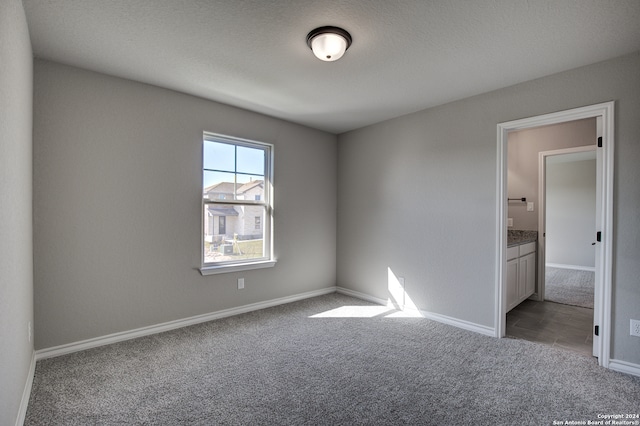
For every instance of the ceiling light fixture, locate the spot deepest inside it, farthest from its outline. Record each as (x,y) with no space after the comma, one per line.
(329,43)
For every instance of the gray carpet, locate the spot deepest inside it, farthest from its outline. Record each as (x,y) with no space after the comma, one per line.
(569,287)
(280,366)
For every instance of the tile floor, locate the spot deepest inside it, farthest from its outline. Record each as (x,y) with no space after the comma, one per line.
(554,324)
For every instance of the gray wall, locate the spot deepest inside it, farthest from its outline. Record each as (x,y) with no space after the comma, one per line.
(16,247)
(571,213)
(522,151)
(418,194)
(117,207)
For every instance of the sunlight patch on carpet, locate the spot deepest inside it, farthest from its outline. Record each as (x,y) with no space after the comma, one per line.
(368,312)
(354,312)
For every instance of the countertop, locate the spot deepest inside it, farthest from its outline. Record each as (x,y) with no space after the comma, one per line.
(516,237)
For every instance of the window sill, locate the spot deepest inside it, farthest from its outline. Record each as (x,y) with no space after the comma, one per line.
(224,269)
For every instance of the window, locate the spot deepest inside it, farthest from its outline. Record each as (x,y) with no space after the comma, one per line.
(237,188)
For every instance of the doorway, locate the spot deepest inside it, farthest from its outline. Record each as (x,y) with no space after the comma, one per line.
(567,220)
(603,248)
(560,313)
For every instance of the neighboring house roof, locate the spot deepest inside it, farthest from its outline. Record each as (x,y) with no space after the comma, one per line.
(222,187)
(250,185)
(227,187)
(222,211)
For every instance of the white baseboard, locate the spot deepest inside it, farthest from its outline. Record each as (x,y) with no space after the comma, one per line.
(26,393)
(172,325)
(362,296)
(575,267)
(466,325)
(624,367)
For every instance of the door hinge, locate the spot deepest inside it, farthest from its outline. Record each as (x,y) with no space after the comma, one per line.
(598,236)
(596,331)
(599,141)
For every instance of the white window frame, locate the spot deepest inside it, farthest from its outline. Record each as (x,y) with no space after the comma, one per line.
(268,260)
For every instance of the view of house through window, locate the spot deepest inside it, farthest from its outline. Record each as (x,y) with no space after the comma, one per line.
(236,201)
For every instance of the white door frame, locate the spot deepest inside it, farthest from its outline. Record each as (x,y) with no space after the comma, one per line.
(604,268)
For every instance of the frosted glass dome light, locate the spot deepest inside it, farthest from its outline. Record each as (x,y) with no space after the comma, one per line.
(329,43)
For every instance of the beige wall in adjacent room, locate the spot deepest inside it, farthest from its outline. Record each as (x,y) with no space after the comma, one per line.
(523,148)
(117,206)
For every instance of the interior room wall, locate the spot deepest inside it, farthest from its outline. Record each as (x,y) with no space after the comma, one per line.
(417,195)
(16,244)
(117,206)
(571,213)
(522,171)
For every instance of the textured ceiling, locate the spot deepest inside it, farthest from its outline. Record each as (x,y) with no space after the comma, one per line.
(406,55)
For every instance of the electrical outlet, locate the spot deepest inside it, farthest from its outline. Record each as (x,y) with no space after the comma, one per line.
(635,327)
(240,283)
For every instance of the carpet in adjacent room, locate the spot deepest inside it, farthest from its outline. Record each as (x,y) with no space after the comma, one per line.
(569,286)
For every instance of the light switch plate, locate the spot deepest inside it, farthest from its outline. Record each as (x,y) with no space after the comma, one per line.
(530,206)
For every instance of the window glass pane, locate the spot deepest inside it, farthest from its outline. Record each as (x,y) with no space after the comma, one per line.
(250,188)
(250,160)
(218,185)
(223,186)
(219,156)
(231,234)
